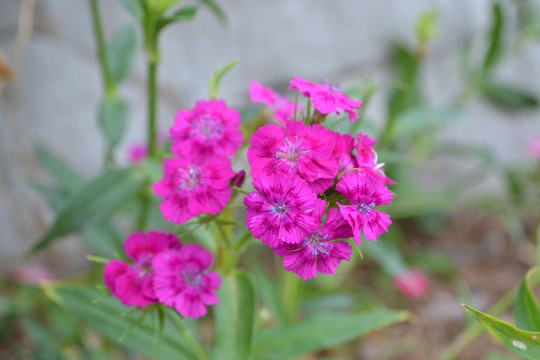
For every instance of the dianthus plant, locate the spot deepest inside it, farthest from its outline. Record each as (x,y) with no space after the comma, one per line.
(313,189)
(309,194)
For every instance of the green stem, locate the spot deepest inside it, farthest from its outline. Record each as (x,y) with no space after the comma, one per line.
(108,85)
(152,59)
(152,107)
(195,344)
(145,211)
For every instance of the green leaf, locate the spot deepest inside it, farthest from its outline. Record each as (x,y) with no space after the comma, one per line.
(509,97)
(246,303)
(494,51)
(216,9)
(55,197)
(158,7)
(406,68)
(106,318)
(213,82)
(135,8)
(60,170)
(269,293)
(235,318)
(121,52)
(95,202)
(112,120)
(322,331)
(419,120)
(527,312)
(184,14)
(105,239)
(523,343)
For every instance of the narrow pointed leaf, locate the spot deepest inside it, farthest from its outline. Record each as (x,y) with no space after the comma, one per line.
(184,14)
(527,311)
(216,9)
(66,177)
(523,343)
(495,41)
(121,52)
(95,202)
(322,331)
(112,120)
(235,318)
(509,97)
(106,318)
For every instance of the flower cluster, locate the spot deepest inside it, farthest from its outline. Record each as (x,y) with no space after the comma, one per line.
(196,181)
(294,166)
(165,271)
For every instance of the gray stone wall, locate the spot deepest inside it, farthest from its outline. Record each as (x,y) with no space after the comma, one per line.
(54,100)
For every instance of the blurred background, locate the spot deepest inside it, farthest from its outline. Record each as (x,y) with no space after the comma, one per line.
(52,87)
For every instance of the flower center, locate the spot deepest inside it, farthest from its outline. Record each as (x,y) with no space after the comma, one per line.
(143,267)
(365,208)
(190,178)
(206,126)
(317,243)
(192,276)
(292,150)
(278,209)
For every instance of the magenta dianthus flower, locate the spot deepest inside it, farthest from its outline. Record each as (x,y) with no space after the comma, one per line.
(364,192)
(279,105)
(133,283)
(182,280)
(282,209)
(317,252)
(189,189)
(326,98)
(367,158)
(209,129)
(297,149)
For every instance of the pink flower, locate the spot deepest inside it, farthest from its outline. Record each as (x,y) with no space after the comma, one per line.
(30,274)
(326,98)
(190,189)
(281,211)
(413,284)
(132,283)
(209,129)
(317,252)
(280,106)
(534,147)
(138,151)
(364,192)
(298,149)
(367,158)
(182,280)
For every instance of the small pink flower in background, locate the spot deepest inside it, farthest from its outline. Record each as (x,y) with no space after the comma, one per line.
(298,149)
(133,283)
(534,147)
(30,274)
(413,284)
(182,280)
(282,209)
(189,189)
(138,151)
(209,129)
(326,98)
(280,106)
(364,192)
(317,252)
